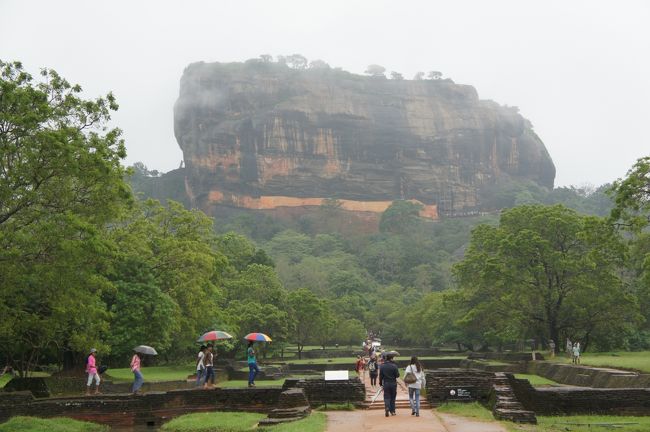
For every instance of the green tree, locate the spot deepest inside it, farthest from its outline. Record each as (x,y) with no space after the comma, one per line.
(539,273)
(401,217)
(309,313)
(178,248)
(632,196)
(142,313)
(61,182)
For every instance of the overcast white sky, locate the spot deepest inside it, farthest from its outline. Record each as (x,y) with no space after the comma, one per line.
(579,70)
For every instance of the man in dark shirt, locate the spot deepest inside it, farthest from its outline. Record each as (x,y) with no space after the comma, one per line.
(388,374)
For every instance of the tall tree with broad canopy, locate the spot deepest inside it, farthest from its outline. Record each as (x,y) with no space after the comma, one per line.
(545,272)
(60,182)
(309,312)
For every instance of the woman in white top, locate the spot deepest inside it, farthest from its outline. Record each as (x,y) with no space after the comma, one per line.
(414,388)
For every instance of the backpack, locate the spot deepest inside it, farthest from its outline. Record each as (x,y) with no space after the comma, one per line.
(372,366)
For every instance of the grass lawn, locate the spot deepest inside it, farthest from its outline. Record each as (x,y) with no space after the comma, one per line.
(536,380)
(236,421)
(4,379)
(153,373)
(33,424)
(472,410)
(586,424)
(244,383)
(626,360)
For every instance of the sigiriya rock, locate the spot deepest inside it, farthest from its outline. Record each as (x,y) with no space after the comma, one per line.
(265,136)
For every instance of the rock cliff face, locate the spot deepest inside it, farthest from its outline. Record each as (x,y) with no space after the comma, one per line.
(263,136)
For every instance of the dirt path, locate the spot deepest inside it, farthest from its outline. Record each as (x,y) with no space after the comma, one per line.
(374,420)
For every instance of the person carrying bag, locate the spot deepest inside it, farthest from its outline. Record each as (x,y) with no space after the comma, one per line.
(415,379)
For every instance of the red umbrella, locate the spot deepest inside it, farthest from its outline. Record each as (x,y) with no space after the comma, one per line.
(214,335)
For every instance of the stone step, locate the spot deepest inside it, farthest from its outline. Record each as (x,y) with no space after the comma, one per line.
(509,405)
(515,415)
(290,412)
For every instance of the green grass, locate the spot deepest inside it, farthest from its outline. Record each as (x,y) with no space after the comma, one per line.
(244,383)
(472,410)
(153,373)
(337,407)
(215,421)
(536,380)
(316,422)
(587,424)
(4,379)
(62,424)
(625,360)
(236,422)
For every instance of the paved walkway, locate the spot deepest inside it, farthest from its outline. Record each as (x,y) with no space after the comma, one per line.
(429,421)
(374,420)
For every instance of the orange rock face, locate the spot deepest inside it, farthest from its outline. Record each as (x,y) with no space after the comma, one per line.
(263,136)
(275,202)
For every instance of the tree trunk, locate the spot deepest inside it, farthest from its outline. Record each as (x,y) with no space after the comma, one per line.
(68,359)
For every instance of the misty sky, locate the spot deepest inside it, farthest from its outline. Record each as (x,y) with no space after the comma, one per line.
(579,70)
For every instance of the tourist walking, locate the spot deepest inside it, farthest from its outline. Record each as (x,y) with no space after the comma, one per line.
(551,348)
(576,353)
(208,360)
(388,374)
(253,370)
(91,370)
(415,379)
(359,366)
(373,370)
(200,366)
(138,379)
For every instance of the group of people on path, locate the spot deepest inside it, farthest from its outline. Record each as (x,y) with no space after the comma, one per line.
(384,368)
(94,372)
(205,374)
(573,351)
(205,366)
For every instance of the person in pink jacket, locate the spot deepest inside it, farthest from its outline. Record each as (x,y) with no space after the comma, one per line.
(138,379)
(91,370)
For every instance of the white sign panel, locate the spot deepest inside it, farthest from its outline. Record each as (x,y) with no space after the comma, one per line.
(339,375)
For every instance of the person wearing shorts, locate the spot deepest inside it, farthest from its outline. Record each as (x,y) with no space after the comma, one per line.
(91,370)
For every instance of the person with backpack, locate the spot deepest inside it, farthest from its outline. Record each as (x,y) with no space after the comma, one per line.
(415,379)
(200,365)
(91,370)
(373,370)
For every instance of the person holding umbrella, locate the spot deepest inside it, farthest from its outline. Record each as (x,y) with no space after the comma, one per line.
(208,360)
(138,379)
(253,369)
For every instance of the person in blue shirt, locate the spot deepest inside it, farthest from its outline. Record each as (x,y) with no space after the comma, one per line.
(253,370)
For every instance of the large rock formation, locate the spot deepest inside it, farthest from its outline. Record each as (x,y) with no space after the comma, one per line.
(262,136)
